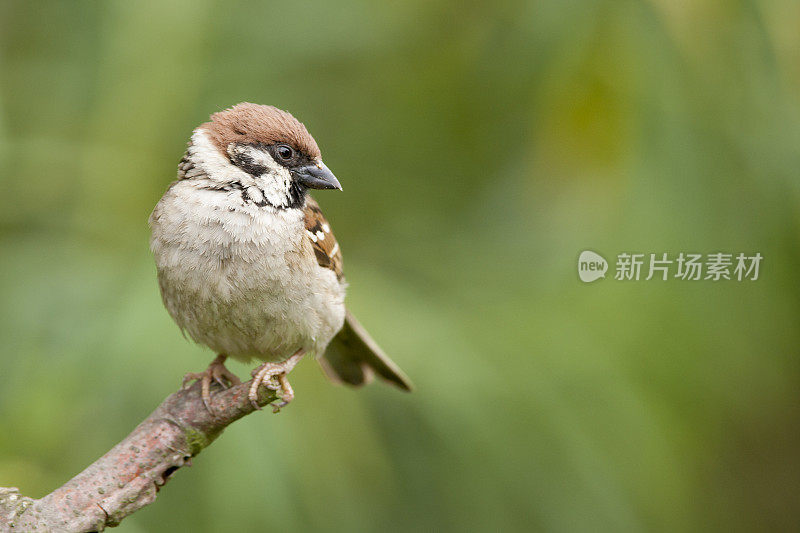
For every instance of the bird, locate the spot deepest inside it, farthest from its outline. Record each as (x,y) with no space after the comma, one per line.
(248,265)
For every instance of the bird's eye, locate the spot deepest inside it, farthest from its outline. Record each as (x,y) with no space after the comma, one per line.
(285,152)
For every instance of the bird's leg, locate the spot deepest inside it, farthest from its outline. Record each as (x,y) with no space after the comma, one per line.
(216,371)
(264,374)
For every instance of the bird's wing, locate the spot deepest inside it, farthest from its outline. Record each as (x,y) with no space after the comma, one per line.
(319,233)
(352,357)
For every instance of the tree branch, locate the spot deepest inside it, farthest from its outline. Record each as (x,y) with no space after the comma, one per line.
(130,475)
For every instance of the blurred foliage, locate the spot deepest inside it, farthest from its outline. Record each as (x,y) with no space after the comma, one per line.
(481,146)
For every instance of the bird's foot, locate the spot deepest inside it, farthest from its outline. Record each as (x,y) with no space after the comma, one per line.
(264,374)
(217,372)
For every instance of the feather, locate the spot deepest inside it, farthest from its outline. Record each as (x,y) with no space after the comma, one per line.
(352,357)
(319,233)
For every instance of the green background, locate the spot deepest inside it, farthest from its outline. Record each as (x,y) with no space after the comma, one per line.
(482,146)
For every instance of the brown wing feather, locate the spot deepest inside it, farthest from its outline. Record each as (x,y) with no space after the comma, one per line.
(319,233)
(353,357)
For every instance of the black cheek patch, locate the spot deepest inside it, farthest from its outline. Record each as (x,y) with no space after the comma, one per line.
(246,163)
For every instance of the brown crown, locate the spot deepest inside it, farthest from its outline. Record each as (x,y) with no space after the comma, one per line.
(253,123)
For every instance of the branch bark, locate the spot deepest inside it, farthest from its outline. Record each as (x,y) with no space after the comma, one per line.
(130,475)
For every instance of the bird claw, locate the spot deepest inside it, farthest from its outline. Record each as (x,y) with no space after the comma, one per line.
(266,373)
(216,372)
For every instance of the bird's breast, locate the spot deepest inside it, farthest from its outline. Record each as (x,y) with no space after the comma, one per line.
(243,280)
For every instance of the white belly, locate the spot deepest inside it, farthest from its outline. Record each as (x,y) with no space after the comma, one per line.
(244,282)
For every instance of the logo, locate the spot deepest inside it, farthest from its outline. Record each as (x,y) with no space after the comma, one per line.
(591,266)
(631,266)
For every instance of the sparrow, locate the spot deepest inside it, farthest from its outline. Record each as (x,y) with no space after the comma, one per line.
(247,263)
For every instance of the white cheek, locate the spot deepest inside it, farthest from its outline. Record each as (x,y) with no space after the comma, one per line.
(259,157)
(274,185)
(275,182)
(213,164)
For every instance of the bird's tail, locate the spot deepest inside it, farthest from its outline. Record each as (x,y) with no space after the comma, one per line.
(352,357)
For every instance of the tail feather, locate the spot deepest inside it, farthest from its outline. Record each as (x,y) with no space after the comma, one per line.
(352,357)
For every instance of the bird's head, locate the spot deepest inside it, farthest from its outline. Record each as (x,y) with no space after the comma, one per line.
(264,147)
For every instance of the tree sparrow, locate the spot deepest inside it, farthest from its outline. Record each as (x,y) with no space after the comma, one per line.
(247,263)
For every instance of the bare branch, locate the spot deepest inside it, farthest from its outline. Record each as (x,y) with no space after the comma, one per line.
(130,475)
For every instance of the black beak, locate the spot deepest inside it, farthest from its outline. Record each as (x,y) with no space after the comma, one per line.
(316,176)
